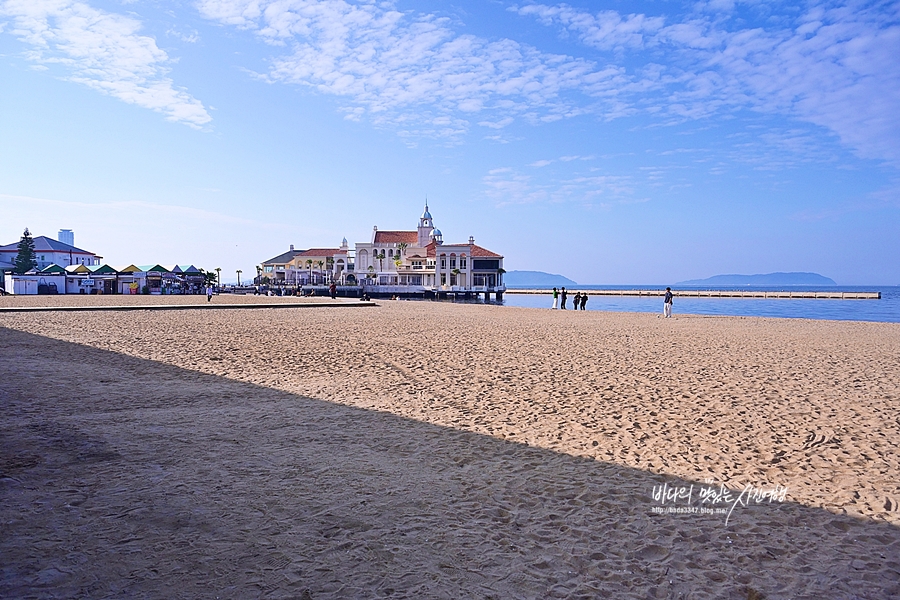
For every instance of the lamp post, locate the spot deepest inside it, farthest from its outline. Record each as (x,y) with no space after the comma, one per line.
(218,277)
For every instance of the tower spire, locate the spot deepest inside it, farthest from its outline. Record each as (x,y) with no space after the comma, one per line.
(426,226)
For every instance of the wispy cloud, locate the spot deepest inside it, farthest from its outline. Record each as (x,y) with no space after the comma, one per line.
(606,29)
(835,65)
(104,51)
(405,68)
(510,186)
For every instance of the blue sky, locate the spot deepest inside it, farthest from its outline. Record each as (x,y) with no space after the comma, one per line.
(616,142)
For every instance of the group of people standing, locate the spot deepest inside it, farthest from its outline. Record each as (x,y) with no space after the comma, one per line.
(560,297)
(580,300)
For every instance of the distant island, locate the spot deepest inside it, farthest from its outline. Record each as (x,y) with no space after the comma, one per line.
(768,279)
(538,279)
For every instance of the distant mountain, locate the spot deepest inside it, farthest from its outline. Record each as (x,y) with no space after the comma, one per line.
(768,279)
(524,279)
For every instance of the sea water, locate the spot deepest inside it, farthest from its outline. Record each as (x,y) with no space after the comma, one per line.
(886,310)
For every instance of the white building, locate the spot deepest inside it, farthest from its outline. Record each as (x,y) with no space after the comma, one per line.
(420,260)
(395,262)
(48,252)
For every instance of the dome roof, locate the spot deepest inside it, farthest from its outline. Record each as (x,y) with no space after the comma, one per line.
(436,233)
(426,214)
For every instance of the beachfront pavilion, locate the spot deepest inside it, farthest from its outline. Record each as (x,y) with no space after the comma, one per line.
(394,262)
(420,260)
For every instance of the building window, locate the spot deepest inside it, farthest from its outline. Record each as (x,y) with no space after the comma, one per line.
(452,263)
(443,263)
(462,262)
(443,279)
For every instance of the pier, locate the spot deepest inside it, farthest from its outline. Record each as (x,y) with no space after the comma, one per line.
(835,295)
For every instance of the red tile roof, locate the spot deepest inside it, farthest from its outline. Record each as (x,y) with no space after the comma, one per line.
(479,252)
(474,251)
(322,252)
(396,237)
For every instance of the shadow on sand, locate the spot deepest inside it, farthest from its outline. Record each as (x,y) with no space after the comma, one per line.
(123,477)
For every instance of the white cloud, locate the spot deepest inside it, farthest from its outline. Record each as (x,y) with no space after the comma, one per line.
(103,51)
(606,29)
(392,64)
(497,124)
(835,65)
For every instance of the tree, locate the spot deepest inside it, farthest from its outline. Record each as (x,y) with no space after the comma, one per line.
(380,256)
(209,278)
(258,274)
(402,246)
(25,259)
(218,276)
(239,276)
(309,264)
(455,273)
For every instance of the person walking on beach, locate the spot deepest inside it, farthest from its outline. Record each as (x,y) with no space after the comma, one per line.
(583,300)
(576,300)
(667,303)
(333,290)
(555,298)
(209,292)
(563,295)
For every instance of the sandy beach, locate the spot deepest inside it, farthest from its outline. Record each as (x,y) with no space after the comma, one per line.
(438,450)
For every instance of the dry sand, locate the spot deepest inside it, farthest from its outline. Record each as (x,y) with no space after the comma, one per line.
(436,450)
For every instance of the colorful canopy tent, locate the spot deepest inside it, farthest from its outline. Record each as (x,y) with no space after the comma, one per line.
(53,269)
(102,270)
(129,269)
(153,268)
(77,270)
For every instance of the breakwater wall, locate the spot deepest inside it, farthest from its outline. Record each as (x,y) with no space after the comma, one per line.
(832,295)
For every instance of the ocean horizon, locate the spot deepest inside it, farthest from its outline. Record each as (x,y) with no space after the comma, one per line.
(884,310)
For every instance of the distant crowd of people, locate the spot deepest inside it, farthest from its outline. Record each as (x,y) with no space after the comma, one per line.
(560,297)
